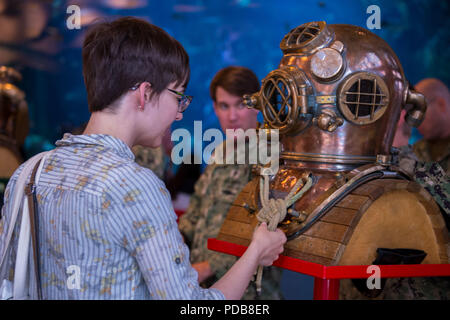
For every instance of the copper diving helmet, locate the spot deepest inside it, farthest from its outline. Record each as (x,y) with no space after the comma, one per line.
(336,98)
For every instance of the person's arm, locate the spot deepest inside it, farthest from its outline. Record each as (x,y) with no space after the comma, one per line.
(145,225)
(263,250)
(164,262)
(147,228)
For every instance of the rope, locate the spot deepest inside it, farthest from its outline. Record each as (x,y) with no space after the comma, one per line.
(273,211)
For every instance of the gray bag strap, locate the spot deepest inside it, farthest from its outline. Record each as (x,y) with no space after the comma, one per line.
(17,195)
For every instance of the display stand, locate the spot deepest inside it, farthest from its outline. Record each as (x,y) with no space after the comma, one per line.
(326,278)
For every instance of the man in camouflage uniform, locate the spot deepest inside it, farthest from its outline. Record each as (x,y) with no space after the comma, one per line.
(435,128)
(435,145)
(428,161)
(220,184)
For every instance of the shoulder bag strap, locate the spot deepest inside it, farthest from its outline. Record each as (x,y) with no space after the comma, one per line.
(16,199)
(30,191)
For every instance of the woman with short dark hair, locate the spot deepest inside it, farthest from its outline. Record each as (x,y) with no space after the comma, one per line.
(101,213)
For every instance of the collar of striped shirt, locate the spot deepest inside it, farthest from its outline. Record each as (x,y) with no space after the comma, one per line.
(105,140)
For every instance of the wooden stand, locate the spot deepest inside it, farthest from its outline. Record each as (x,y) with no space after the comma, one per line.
(326,278)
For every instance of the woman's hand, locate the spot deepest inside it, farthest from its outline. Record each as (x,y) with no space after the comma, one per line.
(263,250)
(268,244)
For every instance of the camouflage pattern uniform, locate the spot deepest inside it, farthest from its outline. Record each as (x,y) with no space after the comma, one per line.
(215,191)
(429,288)
(432,177)
(151,158)
(434,151)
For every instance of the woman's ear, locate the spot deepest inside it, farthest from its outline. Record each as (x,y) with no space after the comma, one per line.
(145,90)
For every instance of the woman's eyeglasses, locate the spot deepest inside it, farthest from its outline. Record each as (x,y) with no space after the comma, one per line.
(183,101)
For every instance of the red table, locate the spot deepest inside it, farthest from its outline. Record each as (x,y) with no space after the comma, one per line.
(326,278)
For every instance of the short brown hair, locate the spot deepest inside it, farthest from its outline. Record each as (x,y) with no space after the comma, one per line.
(235,80)
(121,53)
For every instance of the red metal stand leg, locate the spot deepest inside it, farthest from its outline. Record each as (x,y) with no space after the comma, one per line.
(326,289)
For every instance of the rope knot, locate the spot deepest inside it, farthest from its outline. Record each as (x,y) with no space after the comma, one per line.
(273,211)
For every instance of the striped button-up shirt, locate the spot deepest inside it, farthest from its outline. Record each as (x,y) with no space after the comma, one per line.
(107,227)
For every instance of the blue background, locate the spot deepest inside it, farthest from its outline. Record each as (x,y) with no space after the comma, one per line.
(217,34)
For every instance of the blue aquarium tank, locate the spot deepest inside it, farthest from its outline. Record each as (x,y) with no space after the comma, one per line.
(215,34)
